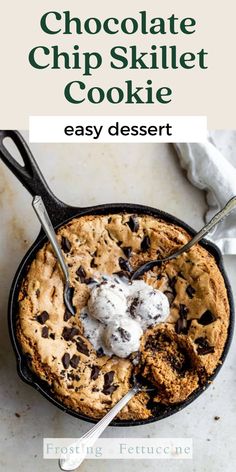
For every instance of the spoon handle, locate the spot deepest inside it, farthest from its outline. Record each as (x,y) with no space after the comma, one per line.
(205,230)
(72,461)
(213,222)
(45,221)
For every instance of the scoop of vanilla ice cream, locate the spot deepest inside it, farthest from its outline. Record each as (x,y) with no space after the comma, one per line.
(148,306)
(118,313)
(122,336)
(107,301)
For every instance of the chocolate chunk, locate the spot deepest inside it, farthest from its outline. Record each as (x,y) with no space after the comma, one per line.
(125,335)
(169,294)
(159,276)
(203,346)
(93,263)
(89,280)
(65,244)
(181,326)
(67,315)
(202,351)
(43,317)
(207,318)
(100,352)
(183,310)
(133,306)
(172,281)
(127,251)
(201,341)
(133,224)
(124,264)
(66,360)
(74,361)
(69,333)
(81,274)
(109,389)
(146,243)
(52,336)
(95,372)
(190,291)
(82,347)
(37,293)
(108,377)
(45,332)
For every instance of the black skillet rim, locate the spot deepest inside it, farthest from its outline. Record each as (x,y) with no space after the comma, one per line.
(26,374)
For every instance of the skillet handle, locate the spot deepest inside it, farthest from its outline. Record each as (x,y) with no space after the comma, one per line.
(30,175)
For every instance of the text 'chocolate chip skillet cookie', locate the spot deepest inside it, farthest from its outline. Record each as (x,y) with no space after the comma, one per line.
(169,328)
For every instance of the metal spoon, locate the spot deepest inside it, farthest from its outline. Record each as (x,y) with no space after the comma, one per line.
(213,222)
(73,461)
(45,221)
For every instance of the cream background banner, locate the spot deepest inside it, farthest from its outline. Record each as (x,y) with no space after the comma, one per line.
(25,91)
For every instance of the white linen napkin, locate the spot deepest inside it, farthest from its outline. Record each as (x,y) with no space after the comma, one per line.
(209,170)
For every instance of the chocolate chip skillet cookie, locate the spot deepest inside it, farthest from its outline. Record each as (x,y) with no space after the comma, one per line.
(176,355)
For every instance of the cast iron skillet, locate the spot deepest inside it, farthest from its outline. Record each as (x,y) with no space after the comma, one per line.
(60,213)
